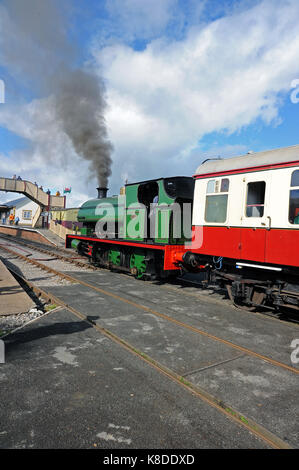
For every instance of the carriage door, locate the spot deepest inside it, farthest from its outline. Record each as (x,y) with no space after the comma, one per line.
(255,220)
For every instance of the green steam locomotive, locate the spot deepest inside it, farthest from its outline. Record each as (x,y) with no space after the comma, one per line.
(142,231)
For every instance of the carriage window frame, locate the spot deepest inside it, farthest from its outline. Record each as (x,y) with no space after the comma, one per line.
(261,215)
(219,195)
(211,186)
(294,188)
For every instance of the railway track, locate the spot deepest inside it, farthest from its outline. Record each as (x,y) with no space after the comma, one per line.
(147,309)
(269,438)
(67,256)
(227,409)
(59,253)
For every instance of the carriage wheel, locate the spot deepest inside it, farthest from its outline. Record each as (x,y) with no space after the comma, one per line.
(257,297)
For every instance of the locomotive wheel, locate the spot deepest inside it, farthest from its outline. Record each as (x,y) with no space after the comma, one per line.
(257,298)
(138,266)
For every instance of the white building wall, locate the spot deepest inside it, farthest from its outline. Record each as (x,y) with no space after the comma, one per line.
(28,207)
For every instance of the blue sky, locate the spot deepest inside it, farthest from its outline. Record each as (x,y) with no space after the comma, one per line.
(261,136)
(184,79)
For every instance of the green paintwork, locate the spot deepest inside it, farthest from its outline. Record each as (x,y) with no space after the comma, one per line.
(132,193)
(94,209)
(138,262)
(86,231)
(161,214)
(128,214)
(135,220)
(114,257)
(162,225)
(75,244)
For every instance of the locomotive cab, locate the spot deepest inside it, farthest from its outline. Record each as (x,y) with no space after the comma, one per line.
(158,206)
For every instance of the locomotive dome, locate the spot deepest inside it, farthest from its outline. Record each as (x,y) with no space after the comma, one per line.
(251,160)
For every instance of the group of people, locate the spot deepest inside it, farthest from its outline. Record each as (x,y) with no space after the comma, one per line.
(12,220)
(17,178)
(40,187)
(48,191)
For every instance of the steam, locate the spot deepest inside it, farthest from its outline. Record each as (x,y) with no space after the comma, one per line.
(79,103)
(35,47)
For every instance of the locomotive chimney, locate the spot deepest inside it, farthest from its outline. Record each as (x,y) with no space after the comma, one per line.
(102,192)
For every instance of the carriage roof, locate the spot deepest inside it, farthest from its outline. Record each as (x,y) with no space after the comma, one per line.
(250,160)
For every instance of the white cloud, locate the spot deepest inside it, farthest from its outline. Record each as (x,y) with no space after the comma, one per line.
(161,101)
(139,19)
(49,158)
(224,76)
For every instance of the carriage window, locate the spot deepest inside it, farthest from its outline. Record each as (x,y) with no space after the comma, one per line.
(216,204)
(294,199)
(255,199)
(295,178)
(211,186)
(216,208)
(294,207)
(224,185)
(218,186)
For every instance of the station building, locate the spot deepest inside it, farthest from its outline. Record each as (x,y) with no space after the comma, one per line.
(22,207)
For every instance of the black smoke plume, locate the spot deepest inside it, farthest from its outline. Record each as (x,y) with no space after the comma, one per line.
(34,45)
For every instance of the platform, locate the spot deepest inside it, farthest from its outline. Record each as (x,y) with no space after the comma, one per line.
(51,237)
(41,235)
(13,299)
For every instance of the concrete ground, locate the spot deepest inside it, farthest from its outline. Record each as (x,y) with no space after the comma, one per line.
(66,385)
(13,299)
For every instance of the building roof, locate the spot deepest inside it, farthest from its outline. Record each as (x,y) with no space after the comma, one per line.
(17,202)
(250,160)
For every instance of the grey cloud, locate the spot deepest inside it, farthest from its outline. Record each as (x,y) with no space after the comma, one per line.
(35,47)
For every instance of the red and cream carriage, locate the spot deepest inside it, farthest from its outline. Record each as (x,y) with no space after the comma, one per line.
(246,214)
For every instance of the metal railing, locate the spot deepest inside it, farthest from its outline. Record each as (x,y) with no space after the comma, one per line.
(33,192)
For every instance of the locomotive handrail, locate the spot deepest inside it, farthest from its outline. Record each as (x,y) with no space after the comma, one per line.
(270,222)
